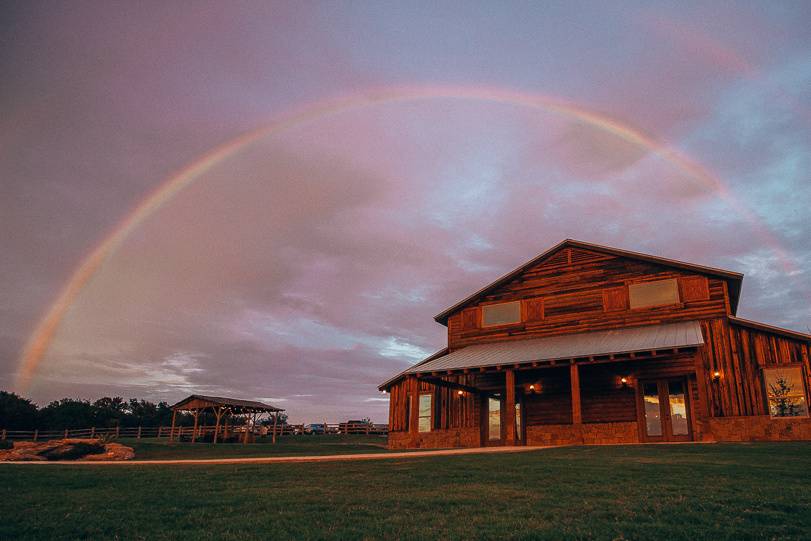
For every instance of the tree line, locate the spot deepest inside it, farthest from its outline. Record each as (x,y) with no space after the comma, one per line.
(18,413)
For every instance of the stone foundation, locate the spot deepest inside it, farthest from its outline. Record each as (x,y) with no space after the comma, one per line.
(436,439)
(756,428)
(585,434)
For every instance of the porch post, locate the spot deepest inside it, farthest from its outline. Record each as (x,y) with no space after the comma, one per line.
(509,407)
(414,414)
(577,416)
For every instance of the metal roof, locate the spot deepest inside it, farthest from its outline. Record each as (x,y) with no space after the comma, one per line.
(626,340)
(734,279)
(235,403)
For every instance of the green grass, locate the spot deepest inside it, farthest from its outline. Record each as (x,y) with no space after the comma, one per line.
(152,448)
(723,491)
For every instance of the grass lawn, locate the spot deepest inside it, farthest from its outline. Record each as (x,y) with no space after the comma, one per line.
(153,448)
(722,491)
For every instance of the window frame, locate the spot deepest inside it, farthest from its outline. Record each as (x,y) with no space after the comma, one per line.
(520,319)
(803,392)
(678,302)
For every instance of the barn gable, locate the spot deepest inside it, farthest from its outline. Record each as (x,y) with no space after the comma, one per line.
(569,255)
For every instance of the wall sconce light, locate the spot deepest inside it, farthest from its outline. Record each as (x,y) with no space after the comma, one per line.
(534,388)
(716,375)
(624,380)
(460,392)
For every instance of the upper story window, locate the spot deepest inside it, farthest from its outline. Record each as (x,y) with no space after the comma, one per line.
(424,424)
(501,314)
(785,390)
(658,293)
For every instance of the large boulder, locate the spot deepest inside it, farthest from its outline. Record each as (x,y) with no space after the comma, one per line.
(114,451)
(67,449)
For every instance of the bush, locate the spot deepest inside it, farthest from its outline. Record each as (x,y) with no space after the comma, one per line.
(6,444)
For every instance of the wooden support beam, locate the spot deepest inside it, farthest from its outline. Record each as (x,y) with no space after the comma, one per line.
(217,416)
(414,415)
(509,407)
(453,385)
(577,416)
(194,430)
(172,430)
(275,422)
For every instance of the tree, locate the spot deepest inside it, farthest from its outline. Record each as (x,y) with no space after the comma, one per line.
(16,412)
(67,413)
(109,411)
(782,397)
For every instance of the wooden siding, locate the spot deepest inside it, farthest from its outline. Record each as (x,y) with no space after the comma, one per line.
(577,291)
(449,409)
(739,354)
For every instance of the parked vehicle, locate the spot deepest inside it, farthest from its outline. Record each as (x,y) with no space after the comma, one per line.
(315,428)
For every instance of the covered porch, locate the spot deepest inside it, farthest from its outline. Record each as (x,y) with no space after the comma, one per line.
(627,385)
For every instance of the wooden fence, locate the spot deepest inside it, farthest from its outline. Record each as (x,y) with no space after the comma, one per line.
(186,431)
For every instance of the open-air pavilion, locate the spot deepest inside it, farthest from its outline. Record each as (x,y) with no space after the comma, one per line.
(221,406)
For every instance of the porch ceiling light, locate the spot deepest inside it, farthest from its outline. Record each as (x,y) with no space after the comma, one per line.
(716,375)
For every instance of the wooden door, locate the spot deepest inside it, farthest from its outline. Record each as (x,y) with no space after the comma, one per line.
(664,410)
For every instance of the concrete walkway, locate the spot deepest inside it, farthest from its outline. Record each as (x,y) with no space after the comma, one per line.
(284,459)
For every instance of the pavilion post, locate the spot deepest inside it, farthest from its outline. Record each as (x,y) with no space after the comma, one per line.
(172,430)
(194,430)
(577,416)
(509,407)
(245,435)
(275,421)
(217,415)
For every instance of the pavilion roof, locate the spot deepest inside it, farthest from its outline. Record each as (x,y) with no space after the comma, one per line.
(236,405)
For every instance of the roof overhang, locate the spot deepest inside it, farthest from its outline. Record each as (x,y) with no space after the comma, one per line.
(588,346)
(740,322)
(733,279)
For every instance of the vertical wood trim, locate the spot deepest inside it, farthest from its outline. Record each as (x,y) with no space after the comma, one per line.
(702,379)
(509,406)
(577,415)
(414,418)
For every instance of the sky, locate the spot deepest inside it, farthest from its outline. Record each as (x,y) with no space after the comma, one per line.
(305,266)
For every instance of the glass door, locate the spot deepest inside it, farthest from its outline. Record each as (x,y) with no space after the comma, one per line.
(665,410)
(493,434)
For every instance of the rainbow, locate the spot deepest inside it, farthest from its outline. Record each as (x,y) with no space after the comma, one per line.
(37,345)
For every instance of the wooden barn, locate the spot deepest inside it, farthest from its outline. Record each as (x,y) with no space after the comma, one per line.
(587,344)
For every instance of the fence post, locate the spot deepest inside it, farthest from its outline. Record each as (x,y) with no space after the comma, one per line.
(117,430)
(139,432)
(66,433)
(3,435)
(93,432)
(36,433)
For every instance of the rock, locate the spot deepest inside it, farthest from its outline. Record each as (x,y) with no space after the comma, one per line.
(72,450)
(67,449)
(114,451)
